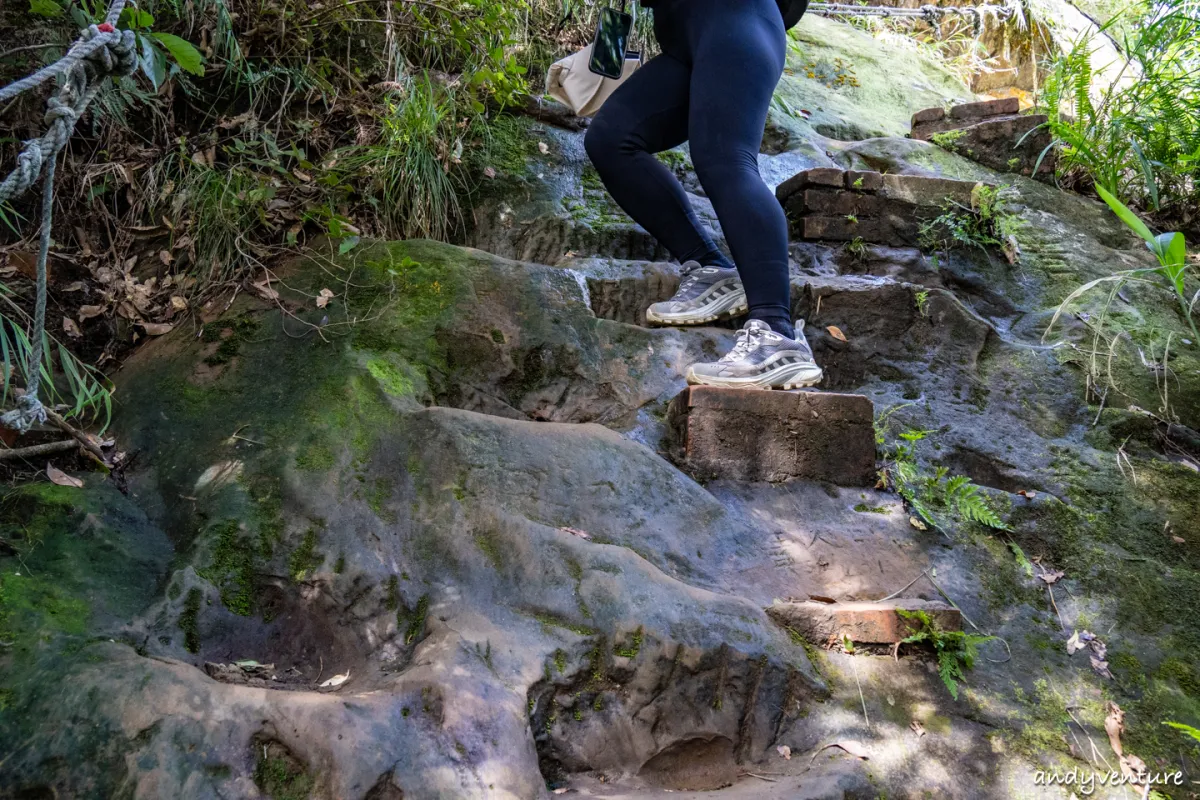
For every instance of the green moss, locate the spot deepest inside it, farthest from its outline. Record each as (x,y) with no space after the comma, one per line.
(634,646)
(1045,721)
(305,558)
(947,139)
(339,566)
(391,600)
(231,566)
(376,495)
(189,620)
(489,544)
(315,456)
(550,621)
(231,343)
(415,620)
(863,508)
(560,659)
(394,379)
(279,775)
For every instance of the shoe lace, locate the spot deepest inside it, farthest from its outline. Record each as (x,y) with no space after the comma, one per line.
(748,339)
(689,277)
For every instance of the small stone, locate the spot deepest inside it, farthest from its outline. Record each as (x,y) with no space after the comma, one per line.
(986,108)
(928,115)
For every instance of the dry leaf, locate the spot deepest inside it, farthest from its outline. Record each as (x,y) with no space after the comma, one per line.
(916,523)
(336,680)
(1028,495)
(178,303)
(488,172)
(74,286)
(836,333)
(820,598)
(156,328)
(61,478)
(1178,540)
(165,257)
(1074,645)
(265,291)
(784,751)
(543,148)
(87,312)
(1101,668)
(917,728)
(1052,576)
(304,176)
(70,328)
(853,748)
(1114,726)
(324,297)
(1133,768)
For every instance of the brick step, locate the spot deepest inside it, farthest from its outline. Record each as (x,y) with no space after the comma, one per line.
(863,623)
(843,205)
(757,435)
(993,133)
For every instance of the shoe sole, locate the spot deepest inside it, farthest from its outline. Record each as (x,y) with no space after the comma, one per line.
(724,307)
(791,376)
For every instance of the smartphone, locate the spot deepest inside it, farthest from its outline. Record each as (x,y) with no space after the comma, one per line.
(612,37)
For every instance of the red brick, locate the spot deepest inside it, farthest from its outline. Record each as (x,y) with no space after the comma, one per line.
(986,108)
(840,229)
(863,180)
(920,190)
(817,176)
(928,115)
(835,201)
(866,623)
(757,435)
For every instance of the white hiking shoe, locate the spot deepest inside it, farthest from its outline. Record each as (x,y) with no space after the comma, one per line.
(706,294)
(761,359)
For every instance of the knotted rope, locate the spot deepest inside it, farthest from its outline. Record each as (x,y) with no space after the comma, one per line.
(930,13)
(100,51)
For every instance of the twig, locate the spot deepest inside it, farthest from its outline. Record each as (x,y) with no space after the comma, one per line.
(900,591)
(860,692)
(77,435)
(1000,639)
(39,449)
(1050,591)
(761,777)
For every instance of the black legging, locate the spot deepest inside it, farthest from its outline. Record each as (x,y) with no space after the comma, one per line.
(712,85)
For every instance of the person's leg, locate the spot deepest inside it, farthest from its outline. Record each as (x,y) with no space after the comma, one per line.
(646,115)
(738,52)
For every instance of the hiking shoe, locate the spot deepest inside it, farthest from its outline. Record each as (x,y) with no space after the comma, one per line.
(761,359)
(706,294)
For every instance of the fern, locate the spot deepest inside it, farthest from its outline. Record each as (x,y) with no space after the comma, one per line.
(956,651)
(1187,729)
(1022,560)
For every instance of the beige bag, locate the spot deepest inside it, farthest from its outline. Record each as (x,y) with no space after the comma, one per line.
(572,83)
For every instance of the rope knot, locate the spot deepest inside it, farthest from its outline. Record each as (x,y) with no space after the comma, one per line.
(57,110)
(118,53)
(29,412)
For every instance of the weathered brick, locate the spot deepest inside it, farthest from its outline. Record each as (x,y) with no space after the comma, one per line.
(863,180)
(840,201)
(756,435)
(928,115)
(986,108)
(841,229)
(920,190)
(865,623)
(817,176)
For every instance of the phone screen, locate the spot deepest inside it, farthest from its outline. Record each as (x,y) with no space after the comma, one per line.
(612,36)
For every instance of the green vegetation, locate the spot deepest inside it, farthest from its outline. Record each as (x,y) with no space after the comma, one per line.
(188,620)
(987,222)
(1138,138)
(946,139)
(279,775)
(305,558)
(631,650)
(934,495)
(231,566)
(955,650)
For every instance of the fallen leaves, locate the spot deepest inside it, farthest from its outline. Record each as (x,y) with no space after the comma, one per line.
(836,333)
(335,681)
(916,523)
(489,172)
(70,328)
(1081,640)
(324,297)
(157,328)
(850,746)
(1052,575)
(264,289)
(916,727)
(1027,494)
(543,148)
(784,751)
(57,476)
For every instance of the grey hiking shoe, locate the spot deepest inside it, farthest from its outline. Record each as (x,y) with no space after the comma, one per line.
(706,294)
(761,359)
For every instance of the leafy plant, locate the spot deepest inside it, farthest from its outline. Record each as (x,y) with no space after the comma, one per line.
(985,223)
(1186,729)
(939,493)
(956,651)
(1138,137)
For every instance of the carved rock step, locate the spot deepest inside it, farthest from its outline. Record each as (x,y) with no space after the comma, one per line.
(865,623)
(993,133)
(756,435)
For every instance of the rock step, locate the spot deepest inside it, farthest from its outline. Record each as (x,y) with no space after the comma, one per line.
(993,133)
(843,205)
(756,435)
(864,623)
